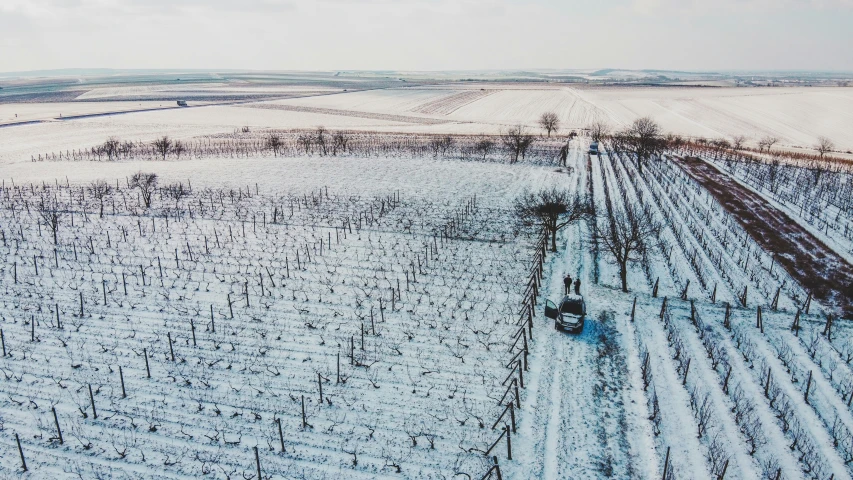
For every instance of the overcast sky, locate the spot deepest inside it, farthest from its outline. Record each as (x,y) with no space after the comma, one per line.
(427,34)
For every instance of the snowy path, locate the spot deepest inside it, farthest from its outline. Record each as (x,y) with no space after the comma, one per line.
(569,446)
(575,427)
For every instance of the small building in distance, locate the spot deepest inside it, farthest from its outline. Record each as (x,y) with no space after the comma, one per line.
(182,103)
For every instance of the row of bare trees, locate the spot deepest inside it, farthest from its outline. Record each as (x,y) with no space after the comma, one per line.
(600,130)
(115,149)
(643,138)
(515,144)
(624,233)
(52,212)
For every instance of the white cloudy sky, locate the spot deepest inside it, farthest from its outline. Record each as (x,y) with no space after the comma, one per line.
(426,34)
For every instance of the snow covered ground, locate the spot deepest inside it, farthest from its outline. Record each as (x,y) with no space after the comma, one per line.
(681,380)
(382,306)
(796,116)
(26,112)
(242,295)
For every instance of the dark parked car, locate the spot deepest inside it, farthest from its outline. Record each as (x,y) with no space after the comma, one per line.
(569,316)
(593,148)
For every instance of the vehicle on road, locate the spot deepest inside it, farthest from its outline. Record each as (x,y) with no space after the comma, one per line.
(569,316)
(593,148)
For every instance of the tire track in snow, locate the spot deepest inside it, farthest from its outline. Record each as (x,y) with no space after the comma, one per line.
(538,439)
(577,425)
(552,433)
(579,417)
(574,446)
(555,460)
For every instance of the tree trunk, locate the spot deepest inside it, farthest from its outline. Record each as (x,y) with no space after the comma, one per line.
(553,238)
(623,274)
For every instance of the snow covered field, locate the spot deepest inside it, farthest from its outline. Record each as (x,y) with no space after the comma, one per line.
(698,381)
(395,305)
(796,116)
(26,112)
(349,317)
(245,293)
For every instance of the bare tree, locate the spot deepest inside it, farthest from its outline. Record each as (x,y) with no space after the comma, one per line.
(767,142)
(484,146)
(673,141)
(177,191)
(178,148)
(51,215)
(98,151)
(273,142)
(99,189)
(146,183)
(598,130)
(305,141)
(643,139)
(111,148)
(773,170)
(441,145)
(738,141)
(824,146)
(549,122)
(517,140)
(551,209)
(320,140)
(126,148)
(162,146)
(720,145)
(625,235)
(340,140)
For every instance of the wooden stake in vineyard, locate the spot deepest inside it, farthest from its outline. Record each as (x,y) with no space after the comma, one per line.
(795,327)
(21,452)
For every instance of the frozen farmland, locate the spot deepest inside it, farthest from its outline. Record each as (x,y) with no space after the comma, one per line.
(304,314)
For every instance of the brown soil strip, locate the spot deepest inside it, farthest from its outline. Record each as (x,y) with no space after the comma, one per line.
(808,260)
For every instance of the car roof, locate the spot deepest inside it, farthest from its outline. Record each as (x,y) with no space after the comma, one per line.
(572,299)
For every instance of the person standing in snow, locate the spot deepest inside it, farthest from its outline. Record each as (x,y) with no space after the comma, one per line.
(567,282)
(578,286)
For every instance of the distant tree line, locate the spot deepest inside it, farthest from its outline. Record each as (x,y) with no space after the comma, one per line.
(515,144)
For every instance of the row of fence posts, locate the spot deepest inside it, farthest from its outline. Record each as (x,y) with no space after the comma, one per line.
(518,361)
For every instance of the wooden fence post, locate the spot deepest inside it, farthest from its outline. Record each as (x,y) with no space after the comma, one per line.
(92,399)
(808,387)
(304,423)
(258,462)
(634,309)
(280,435)
(796,326)
(147,369)
(21,451)
(56,421)
(121,376)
